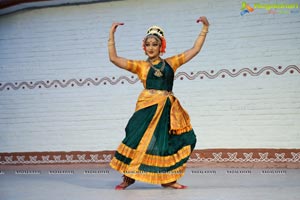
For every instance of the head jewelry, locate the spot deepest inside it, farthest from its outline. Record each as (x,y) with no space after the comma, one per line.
(157,32)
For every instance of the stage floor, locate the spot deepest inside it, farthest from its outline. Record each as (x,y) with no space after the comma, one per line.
(98,183)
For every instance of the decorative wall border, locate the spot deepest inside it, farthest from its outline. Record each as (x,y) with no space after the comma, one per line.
(247,155)
(200,157)
(223,73)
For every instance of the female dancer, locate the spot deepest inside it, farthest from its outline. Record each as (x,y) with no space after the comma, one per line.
(159,137)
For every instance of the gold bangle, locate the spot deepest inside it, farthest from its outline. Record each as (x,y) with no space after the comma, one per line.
(205,29)
(111,43)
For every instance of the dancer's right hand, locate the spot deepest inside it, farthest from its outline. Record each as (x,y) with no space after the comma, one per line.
(114,26)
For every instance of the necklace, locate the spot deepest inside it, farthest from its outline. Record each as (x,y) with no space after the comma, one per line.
(158,72)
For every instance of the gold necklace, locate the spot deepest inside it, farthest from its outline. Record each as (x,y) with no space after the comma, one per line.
(158,72)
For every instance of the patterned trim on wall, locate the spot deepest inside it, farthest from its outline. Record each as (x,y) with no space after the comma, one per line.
(207,156)
(223,73)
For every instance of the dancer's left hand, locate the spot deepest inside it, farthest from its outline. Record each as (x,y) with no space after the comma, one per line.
(204,20)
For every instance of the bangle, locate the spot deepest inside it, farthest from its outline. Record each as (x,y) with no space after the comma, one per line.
(205,29)
(111,43)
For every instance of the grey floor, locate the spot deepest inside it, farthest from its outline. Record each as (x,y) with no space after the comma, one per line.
(210,184)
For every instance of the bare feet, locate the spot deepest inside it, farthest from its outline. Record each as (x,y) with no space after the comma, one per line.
(122,186)
(126,182)
(174,185)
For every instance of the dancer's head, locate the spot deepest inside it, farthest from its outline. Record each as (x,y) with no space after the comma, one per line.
(156,40)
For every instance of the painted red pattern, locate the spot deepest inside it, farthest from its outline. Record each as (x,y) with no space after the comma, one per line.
(222,73)
(199,156)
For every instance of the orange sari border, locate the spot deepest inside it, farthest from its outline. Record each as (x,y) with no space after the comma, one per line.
(148,177)
(154,160)
(141,149)
(180,131)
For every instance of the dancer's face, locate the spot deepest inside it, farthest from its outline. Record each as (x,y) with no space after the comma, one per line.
(152,47)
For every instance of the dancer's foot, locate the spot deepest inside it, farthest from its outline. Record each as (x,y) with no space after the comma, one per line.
(126,182)
(174,185)
(122,186)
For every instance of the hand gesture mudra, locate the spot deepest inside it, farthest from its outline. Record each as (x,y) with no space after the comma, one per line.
(204,21)
(115,25)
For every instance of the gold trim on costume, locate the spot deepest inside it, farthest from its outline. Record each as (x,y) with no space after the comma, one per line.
(179,118)
(176,61)
(141,68)
(155,160)
(149,177)
(145,141)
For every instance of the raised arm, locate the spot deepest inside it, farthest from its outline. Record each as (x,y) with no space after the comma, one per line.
(112,52)
(189,54)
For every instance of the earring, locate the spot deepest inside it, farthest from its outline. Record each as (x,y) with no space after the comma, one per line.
(161,51)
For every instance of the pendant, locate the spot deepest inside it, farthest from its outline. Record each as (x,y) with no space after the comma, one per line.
(158,73)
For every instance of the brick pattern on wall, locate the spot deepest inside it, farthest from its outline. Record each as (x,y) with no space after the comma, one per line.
(59,92)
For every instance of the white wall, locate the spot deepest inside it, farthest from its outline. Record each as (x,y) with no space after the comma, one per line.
(70,42)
